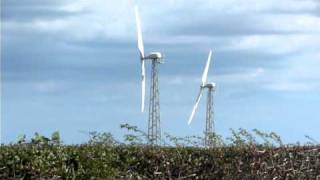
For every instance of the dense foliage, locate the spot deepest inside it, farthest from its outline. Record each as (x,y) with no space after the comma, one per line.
(105,158)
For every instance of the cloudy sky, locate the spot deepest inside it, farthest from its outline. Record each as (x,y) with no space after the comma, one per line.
(73,66)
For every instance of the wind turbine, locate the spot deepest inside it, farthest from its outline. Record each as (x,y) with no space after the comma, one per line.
(154,131)
(209,114)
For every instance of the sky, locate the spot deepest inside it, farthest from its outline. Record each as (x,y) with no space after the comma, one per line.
(73,66)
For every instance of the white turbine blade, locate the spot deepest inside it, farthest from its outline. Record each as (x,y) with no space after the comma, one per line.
(139,34)
(206,69)
(195,107)
(141,51)
(143,85)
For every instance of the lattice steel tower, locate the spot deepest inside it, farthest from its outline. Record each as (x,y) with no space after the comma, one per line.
(209,117)
(154,131)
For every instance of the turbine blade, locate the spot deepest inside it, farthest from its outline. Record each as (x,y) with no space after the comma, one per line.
(206,69)
(139,33)
(143,84)
(195,106)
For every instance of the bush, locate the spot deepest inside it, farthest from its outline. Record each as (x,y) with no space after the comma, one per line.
(242,157)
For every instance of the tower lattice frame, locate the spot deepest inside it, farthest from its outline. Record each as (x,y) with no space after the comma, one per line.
(154,130)
(208,142)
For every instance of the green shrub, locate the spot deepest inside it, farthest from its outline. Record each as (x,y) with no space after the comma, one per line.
(238,157)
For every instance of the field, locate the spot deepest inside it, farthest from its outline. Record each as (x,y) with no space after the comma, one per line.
(104,158)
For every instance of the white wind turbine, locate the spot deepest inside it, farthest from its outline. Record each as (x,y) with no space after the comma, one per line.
(154,131)
(209,113)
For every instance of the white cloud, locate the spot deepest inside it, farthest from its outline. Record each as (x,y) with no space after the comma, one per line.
(300,74)
(276,44)
(249,75)
(290,86)
(175,80)
(49,86)
(303,23)
(115,19)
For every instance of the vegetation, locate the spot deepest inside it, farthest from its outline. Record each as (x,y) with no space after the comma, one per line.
(244,155)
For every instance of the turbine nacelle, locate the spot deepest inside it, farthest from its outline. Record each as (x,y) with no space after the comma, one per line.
(209,85)
(154,55)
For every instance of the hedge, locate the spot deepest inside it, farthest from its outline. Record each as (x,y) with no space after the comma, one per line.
(99,161)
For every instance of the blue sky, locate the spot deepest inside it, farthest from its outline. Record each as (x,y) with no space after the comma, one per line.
(73,66)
